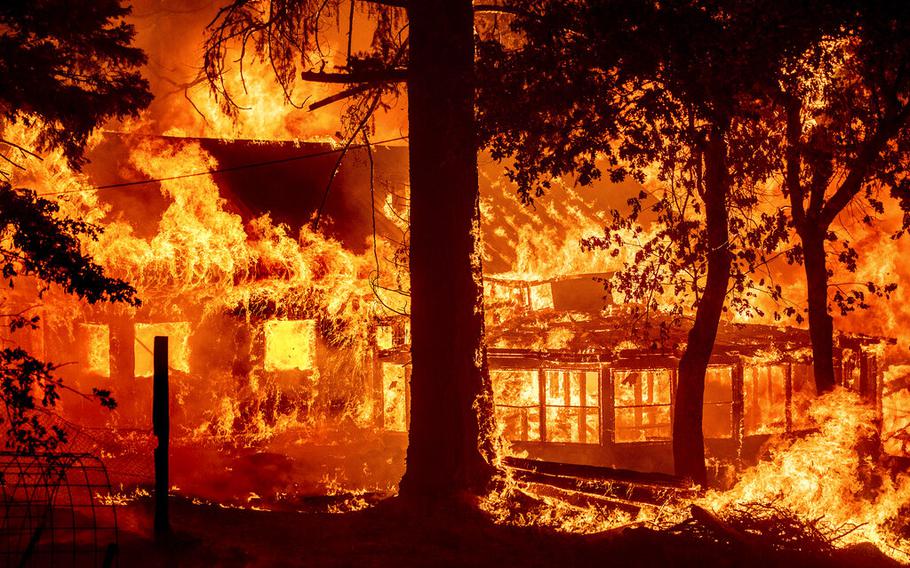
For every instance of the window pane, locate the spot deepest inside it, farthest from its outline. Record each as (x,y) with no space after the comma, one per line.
(95,340)
(592,388)
(803,395)
(555,387)
(642,405)
(719,384)
(718,420)
(515,387)
(592,425)
(764,390)
(394,401)
(290,345)
(519,424)
(562,424)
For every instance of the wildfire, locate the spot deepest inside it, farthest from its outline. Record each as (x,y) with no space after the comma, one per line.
(274,333)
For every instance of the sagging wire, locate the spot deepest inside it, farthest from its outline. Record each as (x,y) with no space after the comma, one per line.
(220,170)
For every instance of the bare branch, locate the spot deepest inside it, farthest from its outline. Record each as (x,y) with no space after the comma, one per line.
(340,96)
(403,4)
(21,149)
(384,76)
(496,9)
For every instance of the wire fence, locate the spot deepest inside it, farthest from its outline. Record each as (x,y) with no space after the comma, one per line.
(56,510)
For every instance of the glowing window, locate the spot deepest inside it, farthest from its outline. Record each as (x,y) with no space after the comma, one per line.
(516,394)
(572,406)
(803,395)
(765,397)
(290,345)
(541,296)
(394,397)
(717,421)
(385,337)
(178,334)
(642,407)
(95,343)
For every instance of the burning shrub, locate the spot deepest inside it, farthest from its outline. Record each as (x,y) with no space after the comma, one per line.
(829,475)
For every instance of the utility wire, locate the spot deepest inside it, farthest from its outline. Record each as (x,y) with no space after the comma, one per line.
(222,170)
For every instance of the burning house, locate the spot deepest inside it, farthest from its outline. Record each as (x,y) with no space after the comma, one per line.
(270,334)
(246,173)
(571,384)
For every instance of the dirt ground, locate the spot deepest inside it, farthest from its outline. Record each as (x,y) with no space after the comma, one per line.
(390,535)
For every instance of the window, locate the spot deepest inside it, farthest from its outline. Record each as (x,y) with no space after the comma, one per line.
(765,398)
(717,421)
(642,405)
(572,406)
(178,334)
(385,337)
(95,343)
(516,394)
(804,395)
(540,296)
(569,412)
(290,345)
(394,397)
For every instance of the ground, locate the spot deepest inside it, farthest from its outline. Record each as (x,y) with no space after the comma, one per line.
(390,534)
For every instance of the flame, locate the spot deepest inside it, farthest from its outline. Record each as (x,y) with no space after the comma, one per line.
(830,474)
(306,299)
(394,404)
(178,334)
(290,345)
(96,340)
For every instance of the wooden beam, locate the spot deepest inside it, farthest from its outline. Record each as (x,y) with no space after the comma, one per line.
(597,472)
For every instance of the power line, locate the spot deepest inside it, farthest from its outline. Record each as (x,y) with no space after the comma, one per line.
(223,170)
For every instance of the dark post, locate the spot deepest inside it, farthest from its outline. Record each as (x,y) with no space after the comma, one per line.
(789,401)
(161,427)
(542,402)
(607,412)
(738,409)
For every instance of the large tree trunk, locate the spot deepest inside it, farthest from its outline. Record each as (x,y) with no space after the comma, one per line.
(688,438)
(449,435)
(821,325)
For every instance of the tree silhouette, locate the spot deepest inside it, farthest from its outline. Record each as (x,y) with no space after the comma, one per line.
(427,45)
(621,87)
(842,114)
(65,67)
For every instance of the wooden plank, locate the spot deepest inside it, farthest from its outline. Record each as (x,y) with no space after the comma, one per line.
(598,473)
(630,494)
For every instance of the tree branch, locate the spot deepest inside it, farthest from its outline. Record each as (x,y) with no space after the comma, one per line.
(403,4)
(384,76)
(497,9)
(860,167)
(345,94)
